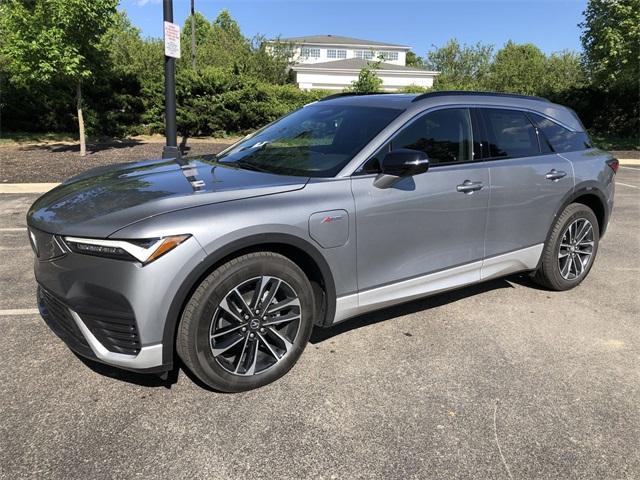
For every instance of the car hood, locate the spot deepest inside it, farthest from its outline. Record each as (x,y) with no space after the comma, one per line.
(106,199)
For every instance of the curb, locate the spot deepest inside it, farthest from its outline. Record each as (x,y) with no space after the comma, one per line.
(26,187)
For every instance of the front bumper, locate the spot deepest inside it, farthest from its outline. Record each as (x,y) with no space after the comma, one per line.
(71,328)
(115,311)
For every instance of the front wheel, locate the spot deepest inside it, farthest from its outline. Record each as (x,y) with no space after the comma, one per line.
(247,323)
(570,250)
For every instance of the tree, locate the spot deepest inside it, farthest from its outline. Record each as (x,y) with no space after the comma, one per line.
(461,67)
(517,69)
(129,53)
(368,81)
(611,42)
(55,40)
(204,37)
(414,60)
(563,72)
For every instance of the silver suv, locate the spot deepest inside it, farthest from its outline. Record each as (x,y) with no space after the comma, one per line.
(348,205)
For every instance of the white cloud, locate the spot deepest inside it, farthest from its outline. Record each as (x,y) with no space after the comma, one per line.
(142,3)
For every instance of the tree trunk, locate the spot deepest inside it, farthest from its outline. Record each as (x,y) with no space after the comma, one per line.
(83,144)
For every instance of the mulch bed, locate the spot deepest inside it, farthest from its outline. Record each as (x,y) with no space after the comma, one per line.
(56,162)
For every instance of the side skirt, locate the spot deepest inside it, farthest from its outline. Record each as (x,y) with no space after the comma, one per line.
(406,290)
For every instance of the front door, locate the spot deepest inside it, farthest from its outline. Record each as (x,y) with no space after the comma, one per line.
(425,224)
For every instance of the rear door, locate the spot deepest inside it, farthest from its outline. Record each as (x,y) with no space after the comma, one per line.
(528,182)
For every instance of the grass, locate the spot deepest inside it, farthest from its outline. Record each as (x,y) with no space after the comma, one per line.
(28,137)
(611,142)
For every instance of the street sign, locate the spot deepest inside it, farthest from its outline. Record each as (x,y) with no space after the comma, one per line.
(171,40)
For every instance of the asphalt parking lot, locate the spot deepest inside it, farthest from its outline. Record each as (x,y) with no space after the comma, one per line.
(500,380)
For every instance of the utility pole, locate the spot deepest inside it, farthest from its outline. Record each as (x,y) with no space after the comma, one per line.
(193,34)
(170,150)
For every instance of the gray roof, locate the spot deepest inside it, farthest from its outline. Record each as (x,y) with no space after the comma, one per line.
(340,40)
(355,64)
(416,103)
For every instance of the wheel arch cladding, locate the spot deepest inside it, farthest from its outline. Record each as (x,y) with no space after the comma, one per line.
(299,251)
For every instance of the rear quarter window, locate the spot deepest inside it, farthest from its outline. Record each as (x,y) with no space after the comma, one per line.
(558,138)
(511,134)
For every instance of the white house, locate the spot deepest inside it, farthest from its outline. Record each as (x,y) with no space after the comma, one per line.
(333,62)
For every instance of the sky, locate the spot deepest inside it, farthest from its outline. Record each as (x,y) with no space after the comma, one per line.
(552,25)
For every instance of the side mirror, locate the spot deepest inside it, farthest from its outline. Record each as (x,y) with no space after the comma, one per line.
(401,163)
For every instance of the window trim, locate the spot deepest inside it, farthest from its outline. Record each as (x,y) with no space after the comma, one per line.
(356,171)
(389,140)
(543,135)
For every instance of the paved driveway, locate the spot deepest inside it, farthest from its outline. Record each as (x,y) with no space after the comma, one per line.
(501,380)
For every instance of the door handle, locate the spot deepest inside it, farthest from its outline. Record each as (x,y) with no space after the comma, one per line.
(555,175)
(469,187)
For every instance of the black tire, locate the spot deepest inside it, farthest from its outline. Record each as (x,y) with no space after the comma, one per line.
(549,272)
(194,342)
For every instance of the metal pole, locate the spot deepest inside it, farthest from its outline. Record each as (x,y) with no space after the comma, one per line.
(193,34)
(170,150)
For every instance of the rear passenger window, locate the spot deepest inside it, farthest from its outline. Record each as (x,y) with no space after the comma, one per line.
(444,135)
(511,134)
(558,138)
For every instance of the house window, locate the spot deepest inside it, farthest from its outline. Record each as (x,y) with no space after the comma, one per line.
(389,55)
(364,54)
(333,53)
(310,52)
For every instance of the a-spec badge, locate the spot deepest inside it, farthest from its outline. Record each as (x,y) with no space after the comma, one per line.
(330,228)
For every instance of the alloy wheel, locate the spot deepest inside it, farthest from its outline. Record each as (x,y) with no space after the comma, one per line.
(255,326)
(576,249)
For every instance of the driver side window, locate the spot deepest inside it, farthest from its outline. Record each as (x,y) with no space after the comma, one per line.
(444,135)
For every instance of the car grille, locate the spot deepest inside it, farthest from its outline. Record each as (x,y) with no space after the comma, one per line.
(116,331)
(59,319)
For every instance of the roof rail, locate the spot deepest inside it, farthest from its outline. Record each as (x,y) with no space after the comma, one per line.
(351,94)
(447,93)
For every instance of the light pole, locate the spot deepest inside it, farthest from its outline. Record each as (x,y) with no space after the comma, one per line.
(170,150)
(193,34)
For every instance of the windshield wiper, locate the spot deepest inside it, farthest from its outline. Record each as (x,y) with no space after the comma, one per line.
(247,166)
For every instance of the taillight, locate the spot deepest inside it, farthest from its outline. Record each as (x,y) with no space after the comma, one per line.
(614,164)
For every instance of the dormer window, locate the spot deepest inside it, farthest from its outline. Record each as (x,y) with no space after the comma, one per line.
(333,53)
(310,52)
(364,54)
(389,56)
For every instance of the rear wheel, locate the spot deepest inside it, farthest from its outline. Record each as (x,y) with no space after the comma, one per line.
(571,249)
(247,323)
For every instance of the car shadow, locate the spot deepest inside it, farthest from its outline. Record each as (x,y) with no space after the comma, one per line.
(319,334)
(140,379)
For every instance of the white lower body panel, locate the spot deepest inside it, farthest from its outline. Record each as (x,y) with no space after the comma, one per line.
(406,290)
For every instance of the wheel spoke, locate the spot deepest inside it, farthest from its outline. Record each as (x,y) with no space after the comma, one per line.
(291,302)
(264,341)
(567,267)
(281,320)
(243,303)
(226,331)
(253,355)
(244,349)
(224,305)
(229,345)
(583,233)
(287,343)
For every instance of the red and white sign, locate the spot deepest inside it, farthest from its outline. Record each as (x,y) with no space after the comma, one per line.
(171,40)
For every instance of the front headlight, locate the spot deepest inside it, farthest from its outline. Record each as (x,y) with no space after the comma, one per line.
(144,251)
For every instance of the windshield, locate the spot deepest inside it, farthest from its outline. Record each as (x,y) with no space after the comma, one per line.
(315,141)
